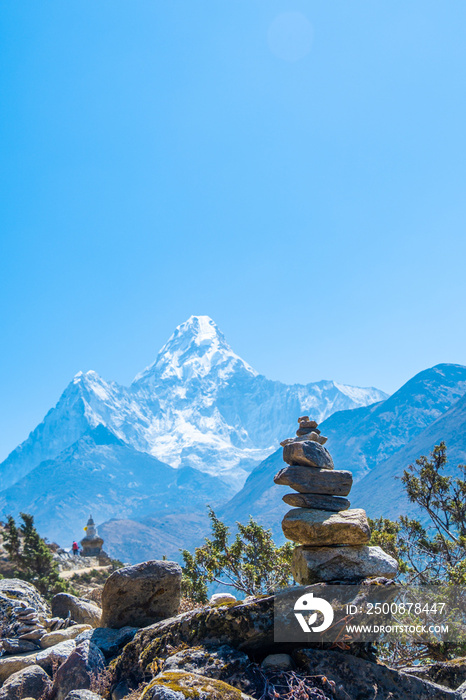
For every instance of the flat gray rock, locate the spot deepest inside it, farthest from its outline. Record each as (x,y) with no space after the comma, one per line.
(319,502)
(319,528)
(321,481)
(307,453)
(316,564)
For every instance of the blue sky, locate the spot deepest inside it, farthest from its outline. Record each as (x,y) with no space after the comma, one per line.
(296,170)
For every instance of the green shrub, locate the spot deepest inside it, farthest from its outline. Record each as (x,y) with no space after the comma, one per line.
(32,557)
(251,564)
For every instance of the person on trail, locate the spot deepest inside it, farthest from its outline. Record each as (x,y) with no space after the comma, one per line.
(75,548)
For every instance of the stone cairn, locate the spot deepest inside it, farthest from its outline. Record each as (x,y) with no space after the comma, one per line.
(332,537)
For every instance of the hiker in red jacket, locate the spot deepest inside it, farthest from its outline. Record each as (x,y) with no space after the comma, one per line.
(75,548)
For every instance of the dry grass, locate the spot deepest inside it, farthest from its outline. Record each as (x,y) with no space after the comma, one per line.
(289,685)
(137,692)
(102,682)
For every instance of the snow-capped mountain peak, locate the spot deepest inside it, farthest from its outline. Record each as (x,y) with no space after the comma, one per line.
(195,350)
(198,405)
(88,383)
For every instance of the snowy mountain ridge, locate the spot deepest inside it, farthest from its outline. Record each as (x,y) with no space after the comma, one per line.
(198,404)
(195,349)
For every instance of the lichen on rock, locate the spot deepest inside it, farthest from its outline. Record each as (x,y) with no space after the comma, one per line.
(193,686)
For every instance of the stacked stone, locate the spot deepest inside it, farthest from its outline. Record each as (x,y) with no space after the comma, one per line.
(31,627)
(332,537)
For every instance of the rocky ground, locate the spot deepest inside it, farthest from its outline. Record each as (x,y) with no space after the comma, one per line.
(144,642)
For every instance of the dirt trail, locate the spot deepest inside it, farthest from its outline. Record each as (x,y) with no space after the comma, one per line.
(68,574)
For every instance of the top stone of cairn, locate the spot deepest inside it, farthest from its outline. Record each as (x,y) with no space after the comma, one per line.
(307,430)
(307,450)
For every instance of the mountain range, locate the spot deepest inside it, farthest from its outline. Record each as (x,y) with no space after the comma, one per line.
(375,443)
(199,426)
(381,488)
(188,430)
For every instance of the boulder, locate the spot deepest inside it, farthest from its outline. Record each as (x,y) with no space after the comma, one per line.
(78,671)
(317,502)
(461,690)
(140,595)
(218,598)
(320,528)
(190,685)
(321,481)
(315,564)
(31,682)
(247,627)
(13,664)
(52,638)
(81,611)
(109,641)
(24,594)
(52,658)
(221,663)
(307,453)
(356,678)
